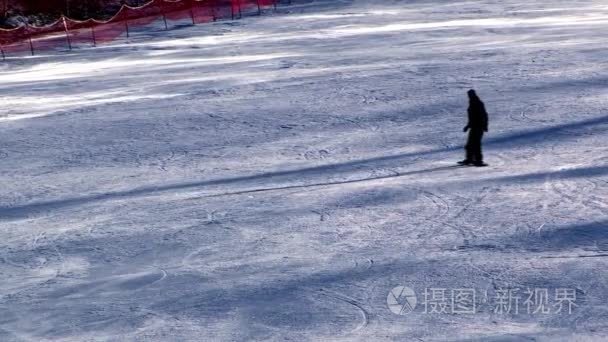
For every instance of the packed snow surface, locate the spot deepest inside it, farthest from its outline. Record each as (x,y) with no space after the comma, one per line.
(274,178)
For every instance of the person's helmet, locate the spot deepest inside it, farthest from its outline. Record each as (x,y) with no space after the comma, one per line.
(472,93)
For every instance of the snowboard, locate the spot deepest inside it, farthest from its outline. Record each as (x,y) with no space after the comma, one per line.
(463,164)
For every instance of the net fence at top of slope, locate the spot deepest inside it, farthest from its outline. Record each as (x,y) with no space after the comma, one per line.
(66,31)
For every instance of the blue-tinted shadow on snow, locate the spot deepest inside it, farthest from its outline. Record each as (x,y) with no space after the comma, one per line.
(590,237)
(295,299)
(541,135)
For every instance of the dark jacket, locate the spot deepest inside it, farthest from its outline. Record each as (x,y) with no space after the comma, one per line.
(478,117)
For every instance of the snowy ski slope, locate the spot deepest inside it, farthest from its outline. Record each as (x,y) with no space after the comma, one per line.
(275,178)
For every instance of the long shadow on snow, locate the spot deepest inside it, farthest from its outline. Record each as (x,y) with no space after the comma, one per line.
(589,236)
(525,178)
(537,135)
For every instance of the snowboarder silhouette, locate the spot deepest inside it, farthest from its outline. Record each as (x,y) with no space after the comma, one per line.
(477,125)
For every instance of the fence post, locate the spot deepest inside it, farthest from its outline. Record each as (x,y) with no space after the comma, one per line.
(67,33)
(259,9)
(2,51)
(122,14)
(232,8)
(213,10)
(165,21)
(192,11)
(93,34)
(31,45)
(240,12)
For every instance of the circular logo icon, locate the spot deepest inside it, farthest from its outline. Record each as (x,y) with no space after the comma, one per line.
(401,300)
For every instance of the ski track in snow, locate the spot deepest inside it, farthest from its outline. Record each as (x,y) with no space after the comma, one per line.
(275,177)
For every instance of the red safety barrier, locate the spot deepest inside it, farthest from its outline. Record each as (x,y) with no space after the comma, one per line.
(66,31)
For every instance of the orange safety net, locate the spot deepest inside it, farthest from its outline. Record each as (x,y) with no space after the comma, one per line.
(66,31)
